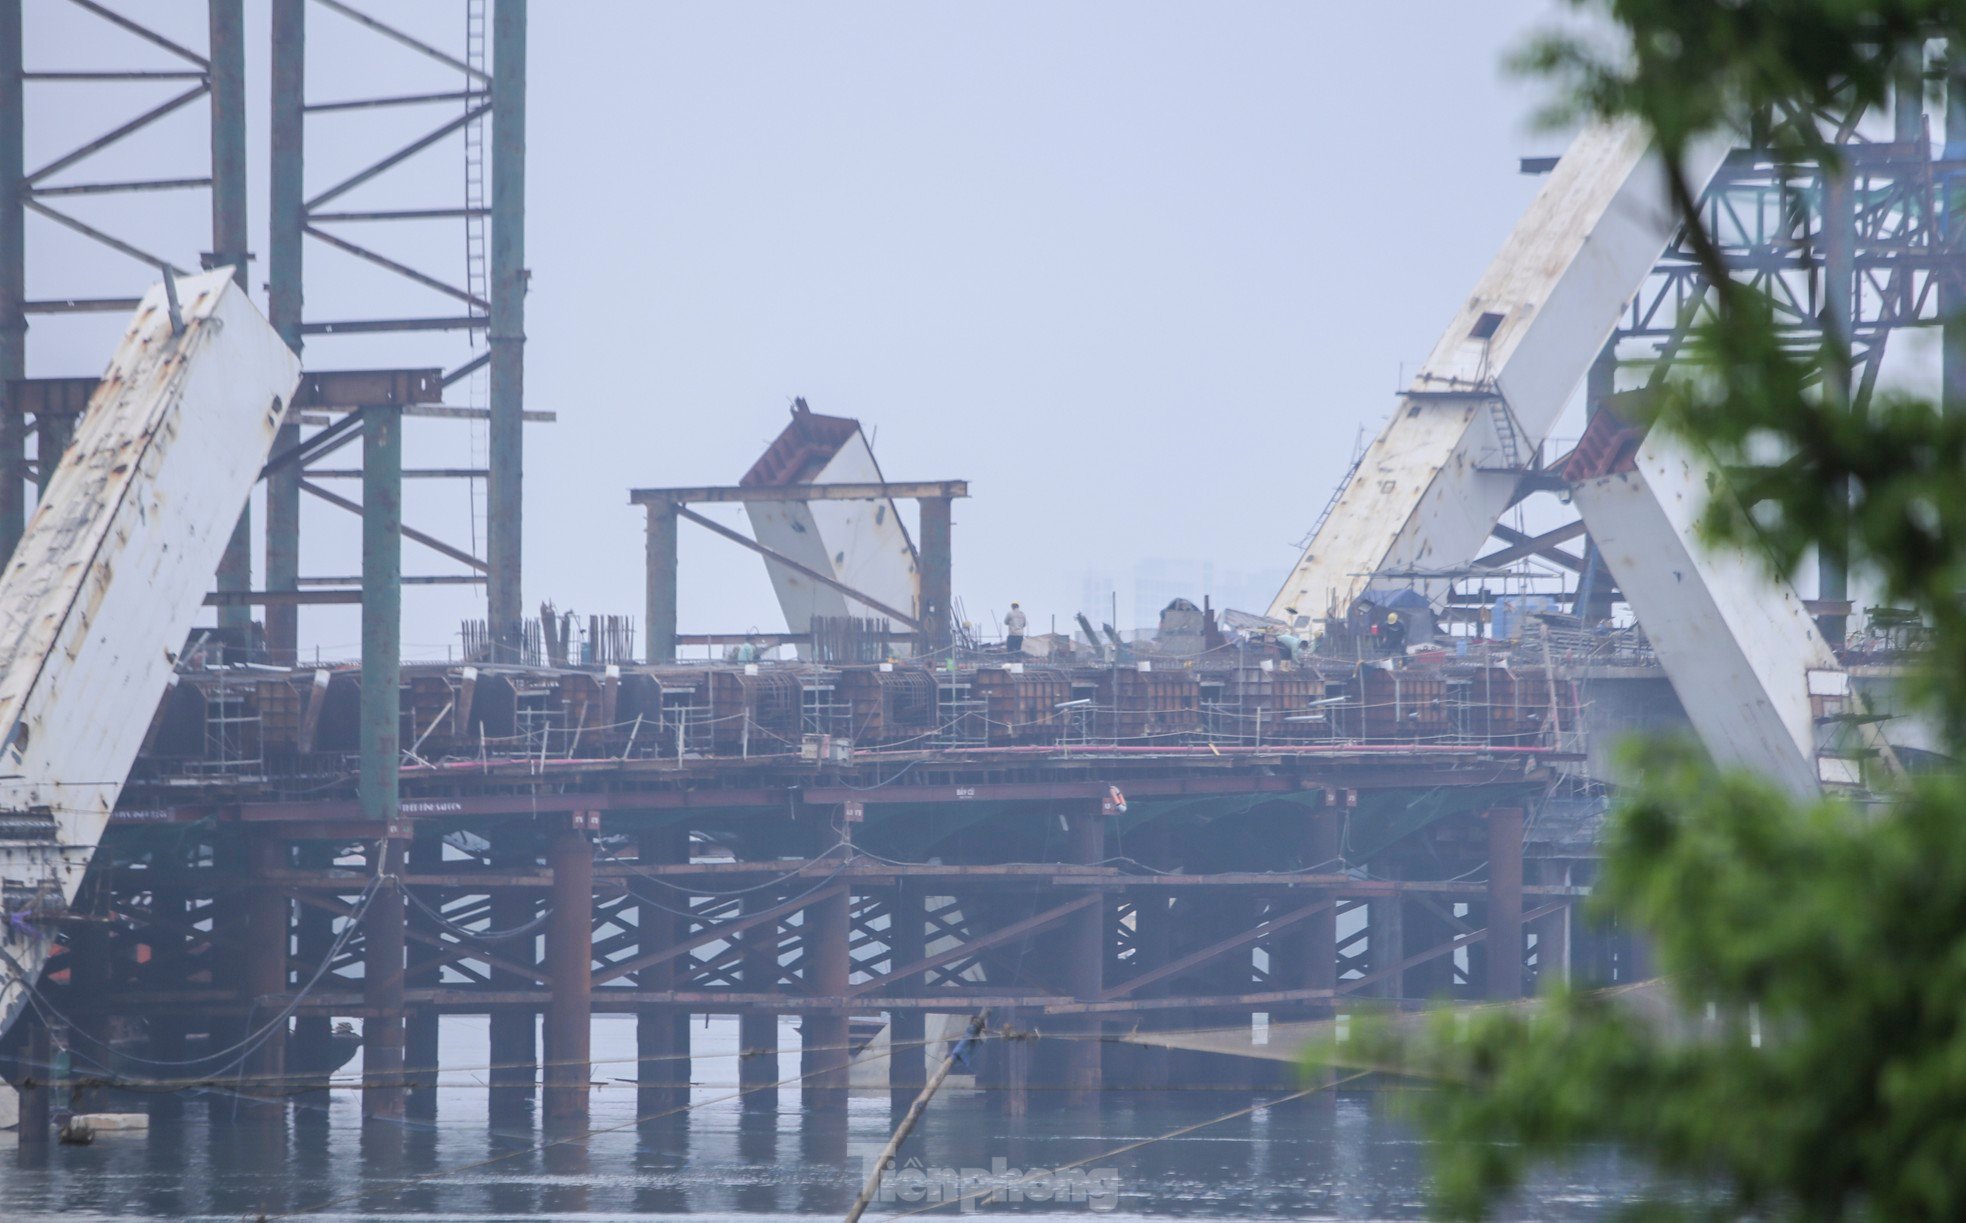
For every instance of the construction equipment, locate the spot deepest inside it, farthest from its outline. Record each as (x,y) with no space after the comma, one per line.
(102,590)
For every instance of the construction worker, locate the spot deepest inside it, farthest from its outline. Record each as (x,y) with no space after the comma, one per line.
(1394,638)
(1013,630)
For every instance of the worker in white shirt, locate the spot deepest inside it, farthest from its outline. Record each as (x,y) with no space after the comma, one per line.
(1013,630)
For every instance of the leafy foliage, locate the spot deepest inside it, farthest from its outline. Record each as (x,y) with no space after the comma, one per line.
(1816,952)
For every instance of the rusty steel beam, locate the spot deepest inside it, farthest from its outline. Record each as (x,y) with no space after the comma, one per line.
(1202,1002)
(1048,790)
(745,493)
(982,943)
(1521,546)
(1203,955)
(460,950)
(1447,948)
(50,396)
(806,571)
(350,390)
(408,532)
(711,934)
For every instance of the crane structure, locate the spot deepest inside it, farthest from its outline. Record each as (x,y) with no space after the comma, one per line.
(1428,490)
(1598,274)
(108,577)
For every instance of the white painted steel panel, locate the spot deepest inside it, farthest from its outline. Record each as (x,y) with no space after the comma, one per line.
(108,579)
(1740,648)
(1419,498)
(861,543)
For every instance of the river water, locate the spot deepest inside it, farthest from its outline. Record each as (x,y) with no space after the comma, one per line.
(1322,1157)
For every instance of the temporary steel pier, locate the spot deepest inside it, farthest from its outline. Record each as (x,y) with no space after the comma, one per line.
(1087,850)
(1191,846)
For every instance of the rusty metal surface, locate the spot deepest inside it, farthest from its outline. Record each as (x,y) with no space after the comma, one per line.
(102,590)
(728,493)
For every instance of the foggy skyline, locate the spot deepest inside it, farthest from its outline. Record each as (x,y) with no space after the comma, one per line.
(1139,273)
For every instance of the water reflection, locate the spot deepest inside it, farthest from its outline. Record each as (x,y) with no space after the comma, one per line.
(1323,1157)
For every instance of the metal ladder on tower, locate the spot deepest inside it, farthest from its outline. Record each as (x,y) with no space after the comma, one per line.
(1337,491)
(1507,437)
(477,274)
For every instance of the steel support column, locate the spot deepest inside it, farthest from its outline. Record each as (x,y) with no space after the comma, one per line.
(823,1034)
(1325,845)
(1305,954)
(420,1046)
(662,1036)
(1504,942)
(382,602)
(52,431)
(382,988)
(231,919)
(514,1031)
(662,562)
(937,575)
(228,109)
(1839,307)
(1426,925)
(907,1028)
(1385,944)
(286,224)
(570,963)
(13,280)
(1017,1053)
(37,1084)
(382,572)
(1952,219)
(757,1029)
(505,487)
(1553,932)
(313,1053)
(1908,98)
(1085,959)
(1153,915)
(167,1032)
(267,931)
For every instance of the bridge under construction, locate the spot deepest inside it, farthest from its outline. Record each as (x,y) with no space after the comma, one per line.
(217,860)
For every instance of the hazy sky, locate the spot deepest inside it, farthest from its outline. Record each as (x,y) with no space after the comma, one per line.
(1138,271)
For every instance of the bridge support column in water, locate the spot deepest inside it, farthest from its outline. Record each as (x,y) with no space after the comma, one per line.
(514,1031)
(266,965)
(757,1026)
(907,1027)
(570,964)
(1086,939)
(662,1037)
(823,1033)
(426,856)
